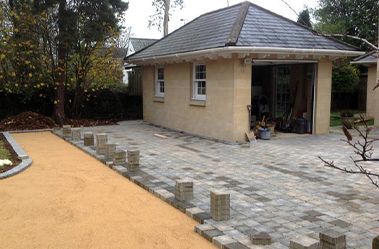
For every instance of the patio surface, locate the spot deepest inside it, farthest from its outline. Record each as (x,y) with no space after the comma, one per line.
(278,186)
(67,199)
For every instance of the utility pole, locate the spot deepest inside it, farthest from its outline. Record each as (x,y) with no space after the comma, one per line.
(227,2)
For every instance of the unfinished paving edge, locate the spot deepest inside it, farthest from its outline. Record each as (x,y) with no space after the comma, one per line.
(208,231)
(187,208)
(25,163)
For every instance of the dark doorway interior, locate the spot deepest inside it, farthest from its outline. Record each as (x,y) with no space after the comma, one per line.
(283,94)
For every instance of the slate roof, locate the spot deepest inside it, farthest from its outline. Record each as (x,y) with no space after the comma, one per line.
(241,25)
(119,53)
(140,43)
(369,58)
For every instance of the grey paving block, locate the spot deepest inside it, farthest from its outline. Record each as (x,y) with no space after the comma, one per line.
(89,138)
(184,190)
(203,227)
(66,131)
(119,157)
(221,241)
(236,245)
(260,238)
(101,141)
(210,234)
(304,242)
(332,239)
(201,217)
(76,134)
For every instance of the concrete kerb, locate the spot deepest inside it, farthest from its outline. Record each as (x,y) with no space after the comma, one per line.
(26,161)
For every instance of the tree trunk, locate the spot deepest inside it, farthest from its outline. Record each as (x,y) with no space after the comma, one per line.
(76,106)
(166,16)
(59,113)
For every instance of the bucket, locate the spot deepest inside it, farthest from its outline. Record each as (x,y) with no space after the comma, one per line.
(264,133)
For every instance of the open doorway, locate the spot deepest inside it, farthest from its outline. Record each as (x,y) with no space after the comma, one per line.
(283,94)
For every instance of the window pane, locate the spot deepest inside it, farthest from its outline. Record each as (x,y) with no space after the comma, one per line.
(200,87)
(161,86)
(200,72)
(160,74)
(203,87)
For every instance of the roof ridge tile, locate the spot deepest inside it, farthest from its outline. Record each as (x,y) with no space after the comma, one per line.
(238,24)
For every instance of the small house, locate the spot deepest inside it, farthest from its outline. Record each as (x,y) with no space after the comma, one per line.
(219,73)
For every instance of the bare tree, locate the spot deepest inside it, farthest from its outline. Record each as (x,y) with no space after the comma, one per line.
(162,13)
(363,148)
(122,40)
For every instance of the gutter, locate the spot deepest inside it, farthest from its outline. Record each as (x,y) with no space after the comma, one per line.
(258,50)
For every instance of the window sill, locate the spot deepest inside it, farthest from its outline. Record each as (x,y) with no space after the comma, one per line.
(195,102)
(158,99)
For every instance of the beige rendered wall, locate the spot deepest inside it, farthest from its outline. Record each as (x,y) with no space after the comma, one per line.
(223,117)
(242,98)
(323,97)
(372,108)
(376,115)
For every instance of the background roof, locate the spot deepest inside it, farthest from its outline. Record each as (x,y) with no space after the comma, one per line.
(141,43)
(369,58)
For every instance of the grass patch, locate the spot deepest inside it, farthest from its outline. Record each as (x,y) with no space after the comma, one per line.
(4,153)
(335,119)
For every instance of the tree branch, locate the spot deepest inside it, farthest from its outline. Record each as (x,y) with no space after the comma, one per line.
(353,37)
(361,170)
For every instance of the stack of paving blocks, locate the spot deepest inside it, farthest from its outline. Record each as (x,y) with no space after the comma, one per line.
(184,190)
(220,205)
(111,149)
(119,157)
(133,160)
(101,143)
(67,131)
(375,243)
(331,239)
(76,134)
(89,139)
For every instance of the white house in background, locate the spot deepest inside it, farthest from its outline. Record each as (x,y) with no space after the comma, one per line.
(137,44)
(370,60)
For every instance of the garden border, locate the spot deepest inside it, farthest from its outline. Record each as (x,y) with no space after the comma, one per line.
(26,161)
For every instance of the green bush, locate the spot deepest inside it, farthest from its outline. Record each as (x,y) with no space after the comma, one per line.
(345,77)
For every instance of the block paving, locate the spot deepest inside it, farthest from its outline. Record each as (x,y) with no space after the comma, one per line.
(278,187)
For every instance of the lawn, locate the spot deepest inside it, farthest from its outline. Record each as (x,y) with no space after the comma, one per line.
(4,153)
(335,119)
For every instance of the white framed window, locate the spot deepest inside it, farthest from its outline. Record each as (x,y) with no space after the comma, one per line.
(159,82)
(199,82)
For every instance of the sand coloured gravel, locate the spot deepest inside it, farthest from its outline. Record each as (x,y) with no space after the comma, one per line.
(67,199)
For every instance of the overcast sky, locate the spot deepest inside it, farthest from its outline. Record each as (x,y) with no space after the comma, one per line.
(139,11)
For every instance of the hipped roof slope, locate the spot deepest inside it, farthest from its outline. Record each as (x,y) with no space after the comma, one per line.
(241,25)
